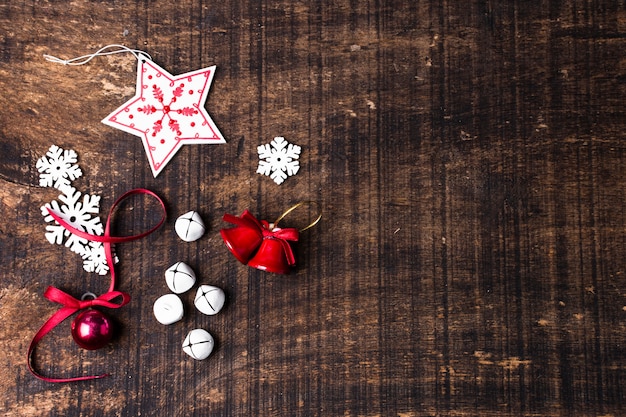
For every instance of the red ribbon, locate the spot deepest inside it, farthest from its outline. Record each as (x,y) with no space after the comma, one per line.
(105,300)
(262,227)
(70,304)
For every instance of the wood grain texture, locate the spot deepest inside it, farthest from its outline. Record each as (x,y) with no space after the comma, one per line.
(469,157)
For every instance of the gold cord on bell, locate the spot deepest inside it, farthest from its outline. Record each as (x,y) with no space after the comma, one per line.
(295,206)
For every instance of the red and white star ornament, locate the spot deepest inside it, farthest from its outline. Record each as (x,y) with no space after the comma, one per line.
(167,112)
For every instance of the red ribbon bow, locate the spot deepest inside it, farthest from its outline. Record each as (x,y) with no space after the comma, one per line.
(70,304)
(262,227)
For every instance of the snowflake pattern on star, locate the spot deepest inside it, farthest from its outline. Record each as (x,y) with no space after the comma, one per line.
(58,168)
(278,159)
(80,210)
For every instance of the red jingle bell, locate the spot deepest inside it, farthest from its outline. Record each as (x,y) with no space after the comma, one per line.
(242,241)
(262,245)
(92,329)
(272,256)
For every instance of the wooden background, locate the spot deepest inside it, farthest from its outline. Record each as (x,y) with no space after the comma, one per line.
(469,157)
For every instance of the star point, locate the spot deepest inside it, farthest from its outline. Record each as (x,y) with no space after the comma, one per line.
(167,112)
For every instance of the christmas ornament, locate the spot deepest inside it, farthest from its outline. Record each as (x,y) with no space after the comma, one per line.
(166,112)
(180,277)
(58,168)
(275,254)
(209,299)
(168,309)
(91,329)
(262,245)
(189,226)
(278,159)
(198,344)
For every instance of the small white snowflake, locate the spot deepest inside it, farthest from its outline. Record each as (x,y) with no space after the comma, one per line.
(58,168)
(77,214)
(94,258)
(279,160)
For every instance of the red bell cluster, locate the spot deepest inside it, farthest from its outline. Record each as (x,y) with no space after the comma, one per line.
(258,244)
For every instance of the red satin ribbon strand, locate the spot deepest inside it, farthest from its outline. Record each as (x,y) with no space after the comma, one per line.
(106,237)
(105,300)
(50,324)
(70,304)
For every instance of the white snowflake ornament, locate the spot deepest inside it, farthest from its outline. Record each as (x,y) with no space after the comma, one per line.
(278,159)
(79,214)
(94,258)
(58,168)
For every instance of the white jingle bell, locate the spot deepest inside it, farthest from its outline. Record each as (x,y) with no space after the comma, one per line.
(209,299)
(189,226)
(168,309)
(180,277)
(198,344)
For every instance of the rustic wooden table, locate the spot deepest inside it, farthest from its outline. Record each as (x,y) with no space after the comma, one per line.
(469,158)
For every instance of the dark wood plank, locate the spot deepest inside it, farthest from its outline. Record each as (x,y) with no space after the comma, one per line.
(469,159)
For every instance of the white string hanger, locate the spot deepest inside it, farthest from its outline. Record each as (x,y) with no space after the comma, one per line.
(104,51)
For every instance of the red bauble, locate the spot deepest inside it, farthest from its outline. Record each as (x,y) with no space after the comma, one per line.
(91,329)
